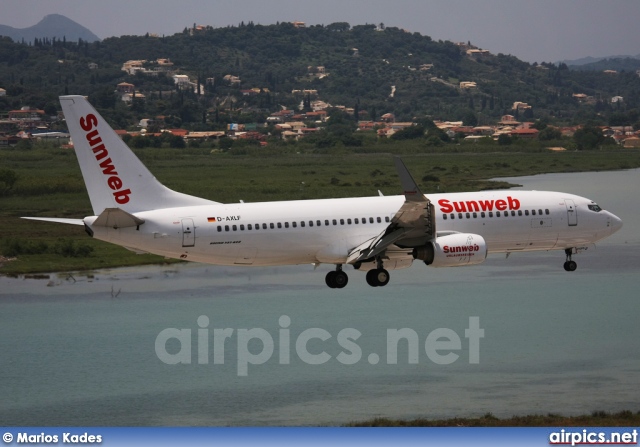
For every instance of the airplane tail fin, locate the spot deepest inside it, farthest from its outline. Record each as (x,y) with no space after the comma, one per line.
(114,176)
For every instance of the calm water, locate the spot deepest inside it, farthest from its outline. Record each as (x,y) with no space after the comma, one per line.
(75,354)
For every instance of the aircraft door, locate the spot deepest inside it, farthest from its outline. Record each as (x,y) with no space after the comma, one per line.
(572,213)
(188,233)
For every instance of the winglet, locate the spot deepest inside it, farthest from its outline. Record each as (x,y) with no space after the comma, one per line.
(411,191)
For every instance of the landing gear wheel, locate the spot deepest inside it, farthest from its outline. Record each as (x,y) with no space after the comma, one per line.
(371,278)
(330,279)
(336,279)
(340,279)
(378,277)
(570,266)
(382,276)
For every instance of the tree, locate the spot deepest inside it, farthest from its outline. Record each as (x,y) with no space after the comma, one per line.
(588,137)
(504,139)
(339,26)
(409,133)
(470,119)
(177,142)
(8,179)
(549,133)
(225,143)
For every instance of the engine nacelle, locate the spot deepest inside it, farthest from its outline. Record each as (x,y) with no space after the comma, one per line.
(454,250)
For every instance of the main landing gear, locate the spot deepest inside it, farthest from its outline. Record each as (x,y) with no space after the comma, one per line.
(569,265)
(337,279)
(378,277)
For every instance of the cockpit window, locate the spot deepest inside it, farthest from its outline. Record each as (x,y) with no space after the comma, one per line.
(595,208)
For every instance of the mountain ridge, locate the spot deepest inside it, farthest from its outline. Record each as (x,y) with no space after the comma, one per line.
(592,60)
(51,26)
(243,74)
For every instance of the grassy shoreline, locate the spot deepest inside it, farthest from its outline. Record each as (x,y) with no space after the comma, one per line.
(596,419)
(50,184)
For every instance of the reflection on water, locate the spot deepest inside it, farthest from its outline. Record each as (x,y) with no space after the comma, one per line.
(77,352)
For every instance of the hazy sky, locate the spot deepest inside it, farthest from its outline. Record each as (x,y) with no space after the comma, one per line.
(532,30)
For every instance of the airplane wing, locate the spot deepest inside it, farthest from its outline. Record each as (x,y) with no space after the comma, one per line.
(413,224)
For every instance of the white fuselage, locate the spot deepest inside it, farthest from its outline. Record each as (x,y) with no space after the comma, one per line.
(325,231)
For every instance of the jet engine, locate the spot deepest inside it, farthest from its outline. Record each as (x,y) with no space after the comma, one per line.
(453,250)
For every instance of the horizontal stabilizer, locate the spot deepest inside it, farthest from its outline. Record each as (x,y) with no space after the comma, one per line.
(57,220)
(117,218)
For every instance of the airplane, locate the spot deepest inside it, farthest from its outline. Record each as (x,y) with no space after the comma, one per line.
(372,234)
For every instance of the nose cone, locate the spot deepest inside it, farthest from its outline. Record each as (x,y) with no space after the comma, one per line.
(616,223)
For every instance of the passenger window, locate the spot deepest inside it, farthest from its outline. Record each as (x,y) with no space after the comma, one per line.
(219,228)
(546,212)
(468,215)
(444,217)
(371,220)
(319,222)
(513,213)
(286,224)
(475,215)
(310,223)
(302,224)
(272,226)
(540,212)
(459,215)
(341,221)
(526,212)
(520,213)
(242,227)
(490,213)
(279,225)
(249,227)
(335,222)
(349,221)
(226,228)
(482,214)
(235,228)
(379,220)
(294,224)
(386,219)
(355,221)
(497,213)
(533,212)
(453,216)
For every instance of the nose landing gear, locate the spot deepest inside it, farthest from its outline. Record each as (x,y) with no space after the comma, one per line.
(569,265)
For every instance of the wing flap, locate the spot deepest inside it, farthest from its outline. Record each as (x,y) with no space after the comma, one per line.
(412,225)
(374,246)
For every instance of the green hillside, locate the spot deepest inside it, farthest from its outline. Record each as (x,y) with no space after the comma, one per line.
(363,63)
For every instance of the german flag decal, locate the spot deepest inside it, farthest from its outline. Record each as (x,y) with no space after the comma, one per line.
(211,219)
